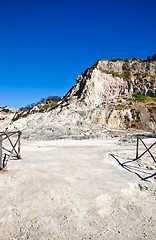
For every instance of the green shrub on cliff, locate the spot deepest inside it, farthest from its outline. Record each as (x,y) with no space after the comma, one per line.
(139,97)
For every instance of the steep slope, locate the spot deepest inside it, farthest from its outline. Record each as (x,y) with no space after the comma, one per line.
(6,116)
(102,98)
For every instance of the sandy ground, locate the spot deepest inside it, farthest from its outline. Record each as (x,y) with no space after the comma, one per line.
(77,190)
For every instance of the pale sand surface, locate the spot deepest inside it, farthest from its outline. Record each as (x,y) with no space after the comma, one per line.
(70,189)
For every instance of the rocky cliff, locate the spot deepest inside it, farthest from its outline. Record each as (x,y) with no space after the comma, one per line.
(109,82)
(109,95)
(6,116)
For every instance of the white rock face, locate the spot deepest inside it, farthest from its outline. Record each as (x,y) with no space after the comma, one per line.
(6,115)
(89,108)
(130,65)
(108,88)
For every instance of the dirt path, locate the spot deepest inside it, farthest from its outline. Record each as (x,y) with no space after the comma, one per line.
(75,190)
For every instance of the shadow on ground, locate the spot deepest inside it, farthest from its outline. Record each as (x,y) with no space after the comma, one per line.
(131,166)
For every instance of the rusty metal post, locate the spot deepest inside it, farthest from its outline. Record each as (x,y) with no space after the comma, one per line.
(19,145)
(137,147)
(1,157)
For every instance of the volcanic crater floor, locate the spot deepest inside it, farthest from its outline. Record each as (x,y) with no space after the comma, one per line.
(77,189)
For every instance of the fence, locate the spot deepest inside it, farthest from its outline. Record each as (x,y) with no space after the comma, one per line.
(144,169)
(140,138)
(5,152)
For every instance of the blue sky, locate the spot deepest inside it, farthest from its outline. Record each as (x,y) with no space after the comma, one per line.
(45,44)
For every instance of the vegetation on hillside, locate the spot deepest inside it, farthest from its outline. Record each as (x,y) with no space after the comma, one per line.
(139,97)
(149,58)
(124,75)
(51,100)
(45,104)
(5,110)
(92,67)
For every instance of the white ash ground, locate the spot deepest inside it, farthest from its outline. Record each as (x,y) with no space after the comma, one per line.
(75,190)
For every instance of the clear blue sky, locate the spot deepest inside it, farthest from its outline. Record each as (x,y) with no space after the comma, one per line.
(45,44)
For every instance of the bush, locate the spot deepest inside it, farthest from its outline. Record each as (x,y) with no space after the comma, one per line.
(151,58)
(139,97)
(116,59)
(126,75)
(6,110)
(120,106)
(92,67)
